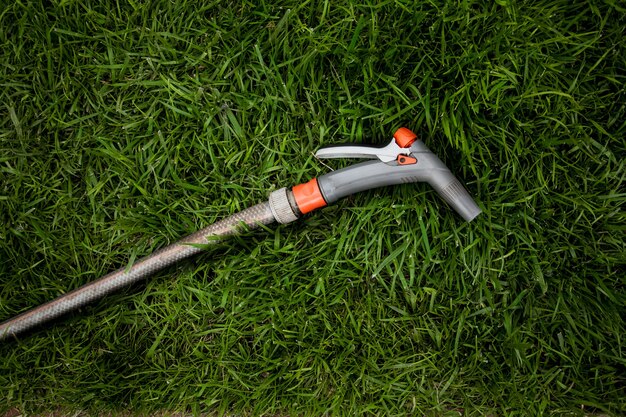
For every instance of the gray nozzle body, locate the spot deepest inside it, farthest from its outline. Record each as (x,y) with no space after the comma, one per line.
(373,174)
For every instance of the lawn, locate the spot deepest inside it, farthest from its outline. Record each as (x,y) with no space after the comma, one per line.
(127,125)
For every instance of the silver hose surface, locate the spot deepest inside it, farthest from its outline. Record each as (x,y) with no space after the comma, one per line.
(250,217)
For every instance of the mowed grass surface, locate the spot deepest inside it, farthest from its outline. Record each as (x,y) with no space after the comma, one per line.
(125,126)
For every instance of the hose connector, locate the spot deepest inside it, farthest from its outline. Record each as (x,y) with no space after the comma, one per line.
(281,207)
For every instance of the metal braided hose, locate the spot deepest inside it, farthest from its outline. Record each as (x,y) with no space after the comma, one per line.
(252,217)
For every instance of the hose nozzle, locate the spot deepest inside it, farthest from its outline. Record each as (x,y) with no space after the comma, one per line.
(406,159)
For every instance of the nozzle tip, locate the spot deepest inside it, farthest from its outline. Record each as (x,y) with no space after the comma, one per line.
(460,200)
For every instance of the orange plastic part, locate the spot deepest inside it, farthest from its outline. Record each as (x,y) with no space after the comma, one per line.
(308,196)
(404,137)
(406,160)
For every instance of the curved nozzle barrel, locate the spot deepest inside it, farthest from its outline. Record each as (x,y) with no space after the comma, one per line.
(457,197)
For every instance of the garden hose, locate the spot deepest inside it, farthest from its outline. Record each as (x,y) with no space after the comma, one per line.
(404,160)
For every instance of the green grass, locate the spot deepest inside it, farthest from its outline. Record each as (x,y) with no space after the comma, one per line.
(126,126)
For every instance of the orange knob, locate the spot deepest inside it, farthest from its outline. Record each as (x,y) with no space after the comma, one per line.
(404,137)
